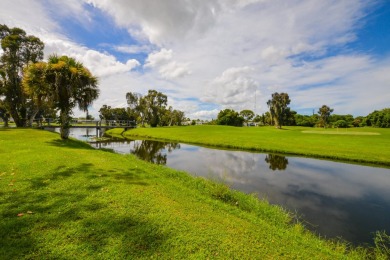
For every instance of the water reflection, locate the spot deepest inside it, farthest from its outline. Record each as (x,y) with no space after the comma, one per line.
(152,151)
(276,162)
(334,199)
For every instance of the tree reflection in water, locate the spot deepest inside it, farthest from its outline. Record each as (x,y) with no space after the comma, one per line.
(153,151)
(276,162)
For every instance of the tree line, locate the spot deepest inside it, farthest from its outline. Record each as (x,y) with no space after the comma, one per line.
(150,109)
(280,114)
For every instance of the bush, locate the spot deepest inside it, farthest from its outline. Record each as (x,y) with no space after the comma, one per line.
(340,124)
(229,117)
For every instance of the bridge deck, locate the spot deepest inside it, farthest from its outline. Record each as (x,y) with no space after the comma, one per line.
(108,124)
(102,127)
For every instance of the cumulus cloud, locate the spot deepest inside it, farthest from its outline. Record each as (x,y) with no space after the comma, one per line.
(226,52)
(160,58)
(234,88)
(162,22)
(100,64)
(168,69)
(94,60)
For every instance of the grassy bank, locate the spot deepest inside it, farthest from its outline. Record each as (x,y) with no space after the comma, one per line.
(368,145)
(64,200)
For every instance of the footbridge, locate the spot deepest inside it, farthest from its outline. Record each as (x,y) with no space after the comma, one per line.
(101,124)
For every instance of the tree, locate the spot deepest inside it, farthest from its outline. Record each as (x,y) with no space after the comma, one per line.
(135,107)
(152,109)
(152,151)
(289,117)
(379,118)
(324,113)
(278,107)
(149,108)
(154,104)
(305,120)
(334,118)
(69,84)
(276,162)
(340,124)
(179,117)
(4,113)
(105,112)
(247,115)
(229,117)
(358,121)
(172,117)
(19,50)
(36,87)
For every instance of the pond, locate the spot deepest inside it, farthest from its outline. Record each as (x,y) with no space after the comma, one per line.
(333,199)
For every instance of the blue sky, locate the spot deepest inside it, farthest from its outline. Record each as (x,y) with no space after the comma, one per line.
(216,54)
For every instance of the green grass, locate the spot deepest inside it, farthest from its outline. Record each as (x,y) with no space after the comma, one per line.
(364,145)
(64,200)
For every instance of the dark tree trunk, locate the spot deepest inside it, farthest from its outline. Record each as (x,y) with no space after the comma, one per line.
(19,121)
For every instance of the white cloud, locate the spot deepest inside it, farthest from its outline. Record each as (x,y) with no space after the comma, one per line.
(17,13)
(100,64)
(70,9)
(222,51)
(167,68)
(204,114)
(162,22)
(94,60)
(234,88)
(133,49)
(160,58)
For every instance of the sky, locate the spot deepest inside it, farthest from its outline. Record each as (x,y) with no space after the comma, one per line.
(216,54)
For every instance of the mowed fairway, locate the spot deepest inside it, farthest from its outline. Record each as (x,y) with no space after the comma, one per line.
(369,145)
(64,200)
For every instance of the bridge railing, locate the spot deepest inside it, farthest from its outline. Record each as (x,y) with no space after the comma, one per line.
(119,123)
(97,123)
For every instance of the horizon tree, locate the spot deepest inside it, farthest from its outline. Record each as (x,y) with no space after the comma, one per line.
(172,117)
(278,107)
(324,113)
(154,105)
(247,115)
(149,108)
(135,106)
(229,117)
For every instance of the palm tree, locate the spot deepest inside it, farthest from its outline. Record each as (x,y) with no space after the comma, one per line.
(64,82)
(35,85)
(71,85)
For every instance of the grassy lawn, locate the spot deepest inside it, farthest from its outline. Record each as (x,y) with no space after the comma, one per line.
(368,145)
(64,200)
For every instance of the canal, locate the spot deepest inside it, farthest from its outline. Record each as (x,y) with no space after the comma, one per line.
(333,199)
